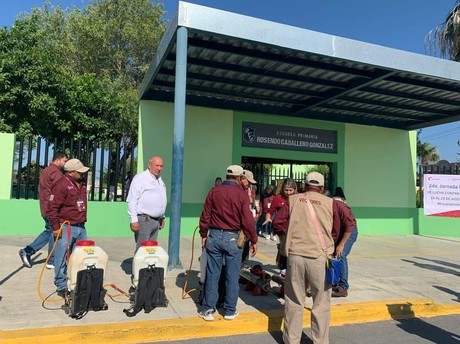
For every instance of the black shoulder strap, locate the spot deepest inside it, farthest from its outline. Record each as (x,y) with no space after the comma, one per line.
(150,291)
(95,288)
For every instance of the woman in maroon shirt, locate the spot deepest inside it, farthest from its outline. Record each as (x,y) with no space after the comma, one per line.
(266,200)
(288,188)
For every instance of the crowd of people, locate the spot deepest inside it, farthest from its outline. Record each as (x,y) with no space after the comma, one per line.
(309,226)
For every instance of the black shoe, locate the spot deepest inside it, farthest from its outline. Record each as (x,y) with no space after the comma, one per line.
(62,293)
(339,292)
(25,258)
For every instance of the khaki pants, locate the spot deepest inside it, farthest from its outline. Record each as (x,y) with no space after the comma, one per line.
(302,271)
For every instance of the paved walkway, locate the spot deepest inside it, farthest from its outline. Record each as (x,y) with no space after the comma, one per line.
(390,277)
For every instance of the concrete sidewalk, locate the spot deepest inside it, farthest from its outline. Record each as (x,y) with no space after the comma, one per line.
(390,277)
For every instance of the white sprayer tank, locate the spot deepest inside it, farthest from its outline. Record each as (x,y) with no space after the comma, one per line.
(85,254)
(148,254)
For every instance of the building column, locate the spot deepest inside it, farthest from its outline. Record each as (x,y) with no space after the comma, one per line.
(178,149)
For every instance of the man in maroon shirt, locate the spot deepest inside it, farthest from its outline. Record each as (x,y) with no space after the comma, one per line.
(49,176)
(67,203)
(226,212)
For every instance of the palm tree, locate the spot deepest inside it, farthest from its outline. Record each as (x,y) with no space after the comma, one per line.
(426,153)
(445,38)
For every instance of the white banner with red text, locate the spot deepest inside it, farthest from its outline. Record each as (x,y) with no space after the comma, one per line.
(441,195)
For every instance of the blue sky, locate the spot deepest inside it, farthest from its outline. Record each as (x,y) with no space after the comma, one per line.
(400,24)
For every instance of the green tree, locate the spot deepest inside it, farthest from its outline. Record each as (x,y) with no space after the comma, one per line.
(40,96)
(323,169)
(30,80)
(426,153)
(115,40)
(75,73)
(445,38)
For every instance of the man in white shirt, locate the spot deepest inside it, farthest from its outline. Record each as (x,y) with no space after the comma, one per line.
(147,202)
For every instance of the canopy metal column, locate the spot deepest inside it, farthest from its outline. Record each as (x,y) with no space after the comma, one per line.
(178,149)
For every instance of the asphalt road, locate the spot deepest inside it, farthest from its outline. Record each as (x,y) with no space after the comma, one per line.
(439,330)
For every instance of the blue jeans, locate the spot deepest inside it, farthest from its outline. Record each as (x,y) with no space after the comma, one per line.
(221,249)
(343,281)
(268,228)
(60,262)
(45,237)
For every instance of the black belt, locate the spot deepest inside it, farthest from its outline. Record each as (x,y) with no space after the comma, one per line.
(150,217)
(82,225)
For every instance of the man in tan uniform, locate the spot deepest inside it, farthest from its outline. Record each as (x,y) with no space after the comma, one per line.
(307,257)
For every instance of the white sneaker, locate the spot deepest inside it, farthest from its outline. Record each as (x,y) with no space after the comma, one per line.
(231,317)
(206,315)
(25,258)
(49,267)
(274,238)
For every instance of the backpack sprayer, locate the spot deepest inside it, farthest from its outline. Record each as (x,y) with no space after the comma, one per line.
(85,275)
(148,289)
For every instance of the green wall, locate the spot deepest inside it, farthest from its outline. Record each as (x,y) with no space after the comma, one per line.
(386,220)
(208,146)
(6,172)
(380,167)
(437,226)
(375,166)
(105,219)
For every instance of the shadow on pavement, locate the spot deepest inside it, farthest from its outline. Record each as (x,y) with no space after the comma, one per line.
(127,265)
(432,267)
(34,261)
(406,321)
(449,291)
(427,331)
(400,310)
(188,282)
(441,262)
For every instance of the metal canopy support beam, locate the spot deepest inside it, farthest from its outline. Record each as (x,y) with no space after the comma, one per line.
(337,94)
(255,71)
(178,149)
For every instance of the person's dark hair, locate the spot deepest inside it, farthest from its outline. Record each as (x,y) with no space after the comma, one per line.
(288,183)
(59,155)
(267,188)
(339,193)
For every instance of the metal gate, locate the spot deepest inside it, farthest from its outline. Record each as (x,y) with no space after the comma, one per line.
(273,172)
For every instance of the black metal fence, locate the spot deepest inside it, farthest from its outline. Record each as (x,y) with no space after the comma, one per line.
(449,168)
(266,174)
(112,166)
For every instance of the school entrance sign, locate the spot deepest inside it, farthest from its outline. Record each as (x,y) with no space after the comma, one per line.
(263,135)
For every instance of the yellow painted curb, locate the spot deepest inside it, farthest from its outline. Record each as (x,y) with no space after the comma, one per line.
(250,322)
(385,310)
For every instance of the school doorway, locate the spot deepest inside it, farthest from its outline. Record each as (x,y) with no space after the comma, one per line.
(268,171)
